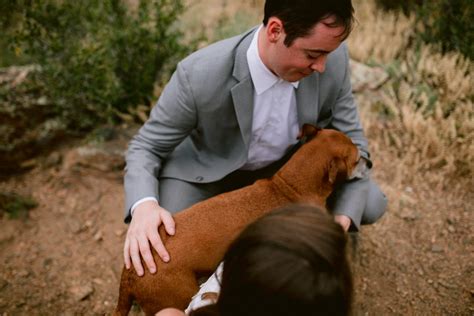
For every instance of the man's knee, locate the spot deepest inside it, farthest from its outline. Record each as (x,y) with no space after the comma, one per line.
(376,204)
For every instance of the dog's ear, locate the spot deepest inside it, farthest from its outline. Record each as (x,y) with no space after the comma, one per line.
(308,131)
(333,170)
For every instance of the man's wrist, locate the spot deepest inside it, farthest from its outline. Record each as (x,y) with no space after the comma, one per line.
(137,203)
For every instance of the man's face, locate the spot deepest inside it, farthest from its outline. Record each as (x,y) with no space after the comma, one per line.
(306,54)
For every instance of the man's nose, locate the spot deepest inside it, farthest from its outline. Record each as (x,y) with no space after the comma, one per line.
(319,64)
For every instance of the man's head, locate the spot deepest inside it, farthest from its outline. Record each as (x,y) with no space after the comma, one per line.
(299,34)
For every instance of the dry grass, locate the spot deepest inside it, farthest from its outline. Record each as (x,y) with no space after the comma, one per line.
(424,115)
(378,36)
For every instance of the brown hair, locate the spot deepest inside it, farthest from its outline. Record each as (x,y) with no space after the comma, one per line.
(290,262)
(300,16)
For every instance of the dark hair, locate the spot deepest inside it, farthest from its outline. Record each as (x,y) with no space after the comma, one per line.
(300,16)
(290,262)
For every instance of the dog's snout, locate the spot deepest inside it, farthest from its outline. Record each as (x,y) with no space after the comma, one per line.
(361,169)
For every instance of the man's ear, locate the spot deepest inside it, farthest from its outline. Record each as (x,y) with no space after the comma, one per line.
(308,131)
(274,29)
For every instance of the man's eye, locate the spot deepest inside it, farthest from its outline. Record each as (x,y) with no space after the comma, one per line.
(312,56)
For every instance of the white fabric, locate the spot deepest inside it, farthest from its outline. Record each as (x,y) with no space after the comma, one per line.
(134,206)
(275,121)
(211,285)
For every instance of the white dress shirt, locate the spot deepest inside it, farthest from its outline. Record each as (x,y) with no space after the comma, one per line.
(275,119)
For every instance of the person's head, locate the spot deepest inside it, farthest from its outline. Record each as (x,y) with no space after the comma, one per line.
(301,33)
(290,262)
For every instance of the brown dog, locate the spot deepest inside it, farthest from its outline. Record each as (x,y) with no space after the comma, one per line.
(206,229)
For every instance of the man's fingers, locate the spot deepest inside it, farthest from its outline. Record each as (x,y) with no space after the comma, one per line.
(144,246)
(168,221)
(126,253)
(135,255)
(158,245)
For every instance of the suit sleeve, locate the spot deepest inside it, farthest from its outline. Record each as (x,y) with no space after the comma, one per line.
(171,120)
(350,198)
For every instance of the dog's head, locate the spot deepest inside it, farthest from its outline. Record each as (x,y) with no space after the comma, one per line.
(326,158)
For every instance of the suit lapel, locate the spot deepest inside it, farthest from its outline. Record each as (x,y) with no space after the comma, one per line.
(307,94)
(307,100)
(242,92)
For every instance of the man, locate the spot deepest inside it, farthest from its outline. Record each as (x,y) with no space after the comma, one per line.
(231,114)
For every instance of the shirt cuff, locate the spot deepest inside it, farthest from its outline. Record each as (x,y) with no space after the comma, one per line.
(134,206)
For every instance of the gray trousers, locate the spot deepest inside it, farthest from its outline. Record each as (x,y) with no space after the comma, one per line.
(176,195)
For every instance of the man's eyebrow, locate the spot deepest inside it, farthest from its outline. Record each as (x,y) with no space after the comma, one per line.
(317,51)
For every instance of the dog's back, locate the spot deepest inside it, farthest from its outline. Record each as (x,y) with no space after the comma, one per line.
(203,233)
(205,230)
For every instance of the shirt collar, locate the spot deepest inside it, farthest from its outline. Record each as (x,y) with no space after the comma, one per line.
(263,79)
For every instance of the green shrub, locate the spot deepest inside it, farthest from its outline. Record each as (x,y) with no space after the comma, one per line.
(444,22)
(16,206)
(97,57)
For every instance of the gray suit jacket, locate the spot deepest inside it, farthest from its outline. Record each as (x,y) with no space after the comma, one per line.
(200,128)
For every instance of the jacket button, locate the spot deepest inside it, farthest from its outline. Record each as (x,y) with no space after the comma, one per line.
(199,178)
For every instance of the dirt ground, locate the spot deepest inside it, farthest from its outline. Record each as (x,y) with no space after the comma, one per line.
(65,257)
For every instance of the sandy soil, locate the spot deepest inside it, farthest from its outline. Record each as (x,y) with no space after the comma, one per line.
(65,257)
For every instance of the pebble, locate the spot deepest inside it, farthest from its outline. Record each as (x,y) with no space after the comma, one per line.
(20,303)
(98,281)
(119,232)
(451,229)
(446,284)
(436,248)
(47,262)
(75,227)
(82,292)
(98,236)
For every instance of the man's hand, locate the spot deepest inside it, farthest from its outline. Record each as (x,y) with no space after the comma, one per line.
(344,221)
(143,230)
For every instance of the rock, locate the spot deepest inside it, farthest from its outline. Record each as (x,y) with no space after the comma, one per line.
(451,229)
(81,292)
(75,227)
(47,262)
(410,216)
(24,273)
(364,77)
(28,164)
(93,158)
(52,160)
(119,232)
(20,303)
(98,236)
(446,284)
(436,248)
(98,281)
